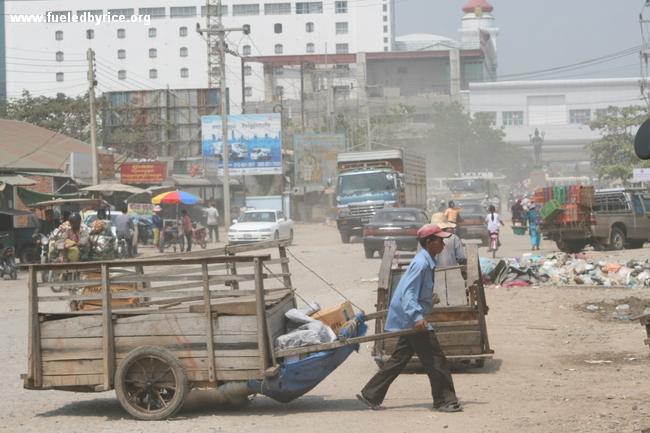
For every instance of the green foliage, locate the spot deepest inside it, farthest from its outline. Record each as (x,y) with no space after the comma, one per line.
(63,114)
(613,155)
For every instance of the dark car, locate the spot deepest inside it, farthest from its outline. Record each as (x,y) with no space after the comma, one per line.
(398,224)
(472,223)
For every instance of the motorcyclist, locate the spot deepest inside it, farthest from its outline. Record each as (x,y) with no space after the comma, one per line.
(125,228)
(102,241)
(74,239)
(494,223)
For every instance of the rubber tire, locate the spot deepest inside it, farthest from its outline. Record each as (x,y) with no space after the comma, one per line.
(570,247)
(345,237)
(617,239)
(28,255)
(182,385)
(368,252)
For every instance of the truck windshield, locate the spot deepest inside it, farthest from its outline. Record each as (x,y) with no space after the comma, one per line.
(366,182)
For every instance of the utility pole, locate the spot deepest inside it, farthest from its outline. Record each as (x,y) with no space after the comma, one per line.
(92,82)
(216,39)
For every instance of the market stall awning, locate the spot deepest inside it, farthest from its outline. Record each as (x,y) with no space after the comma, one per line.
(14,212)
(113,187)
(30,197)
(16,180)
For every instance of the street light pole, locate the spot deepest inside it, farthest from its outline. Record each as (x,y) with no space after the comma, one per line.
(93,117)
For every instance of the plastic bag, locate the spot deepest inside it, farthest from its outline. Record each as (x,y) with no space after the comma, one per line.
(314,332)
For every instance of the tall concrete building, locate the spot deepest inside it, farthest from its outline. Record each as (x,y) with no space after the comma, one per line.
(154,45)
(3,59)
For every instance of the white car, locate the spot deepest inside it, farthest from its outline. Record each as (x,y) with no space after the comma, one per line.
(260,225)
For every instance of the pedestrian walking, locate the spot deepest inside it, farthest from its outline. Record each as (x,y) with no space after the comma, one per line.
(532,217)
(157,223)
(213,222)
(409,306)
(187,229)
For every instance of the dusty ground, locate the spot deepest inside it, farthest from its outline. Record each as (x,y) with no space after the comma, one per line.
(551,372)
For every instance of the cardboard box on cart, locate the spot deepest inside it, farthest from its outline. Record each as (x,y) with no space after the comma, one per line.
(335,317)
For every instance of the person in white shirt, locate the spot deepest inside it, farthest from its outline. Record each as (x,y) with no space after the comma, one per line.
(213,222)
(493,221)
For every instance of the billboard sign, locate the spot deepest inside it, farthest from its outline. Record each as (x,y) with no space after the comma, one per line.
(255,143)
(315,156)
(143,173)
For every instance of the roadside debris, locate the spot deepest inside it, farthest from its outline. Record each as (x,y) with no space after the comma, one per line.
(562,269)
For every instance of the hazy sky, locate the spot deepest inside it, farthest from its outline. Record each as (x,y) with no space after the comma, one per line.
(543,34)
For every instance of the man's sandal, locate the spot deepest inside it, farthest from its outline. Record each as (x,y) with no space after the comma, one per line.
(449,407)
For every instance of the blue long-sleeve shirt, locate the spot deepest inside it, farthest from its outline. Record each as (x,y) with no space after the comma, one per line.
(413,298)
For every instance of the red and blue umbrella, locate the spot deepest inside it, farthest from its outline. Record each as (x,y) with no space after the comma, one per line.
(176,197)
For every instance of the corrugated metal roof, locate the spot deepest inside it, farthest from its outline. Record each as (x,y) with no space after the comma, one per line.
(27,146)
(17,180)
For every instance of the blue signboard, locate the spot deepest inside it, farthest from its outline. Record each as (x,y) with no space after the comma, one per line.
(254,140)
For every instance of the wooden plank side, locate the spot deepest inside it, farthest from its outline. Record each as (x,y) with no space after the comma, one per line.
(456,288)
(260,305)
(108,340)
(76,380)
(81,354)
(147,325)
(212,370)
(34,350)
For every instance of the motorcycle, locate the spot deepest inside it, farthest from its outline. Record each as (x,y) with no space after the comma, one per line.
(172,237)
(199,235)
(8,262)
(44,243)
(494,243)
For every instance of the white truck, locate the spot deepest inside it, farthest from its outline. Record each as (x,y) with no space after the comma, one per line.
(368,181)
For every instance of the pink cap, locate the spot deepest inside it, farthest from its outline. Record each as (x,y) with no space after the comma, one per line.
(432,230)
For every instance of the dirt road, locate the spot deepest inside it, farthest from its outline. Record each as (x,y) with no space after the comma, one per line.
(539,381)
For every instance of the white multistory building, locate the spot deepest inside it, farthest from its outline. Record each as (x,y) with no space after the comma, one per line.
(157,46)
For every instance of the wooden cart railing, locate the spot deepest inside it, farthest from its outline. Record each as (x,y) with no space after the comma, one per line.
(459,319)
(174,291)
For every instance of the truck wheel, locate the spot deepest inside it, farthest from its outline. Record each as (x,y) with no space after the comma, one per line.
(570,247)
(150,383)
(617,239)
(345,237)
(369,252)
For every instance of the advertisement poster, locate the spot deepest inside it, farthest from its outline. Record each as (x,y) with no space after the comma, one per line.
(255,143)
(143,173)
(315,156)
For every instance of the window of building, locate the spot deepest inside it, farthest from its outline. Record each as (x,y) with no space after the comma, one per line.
(309,27)
(90,12)
(342,48)
(185,72)
(154,13)
(385,29)
(277,8)
(127,13)
(59,76)
(248,70)
(182,31)
(246,50)
(213,10)
(121,33)
(121,54)
(153,53)
(384,8)
(153,73)
(247,9)
(342,28)
(279,90)
(183,52)
(341,7)
(182,11)
(59,56)
(278,49)
(581,117)
(513,118)
(277,28)
(152,32)
(248,91)
(90,34)
(385,18)
(121,74)
(58,35)
(309,8)
(278,71)
(385,48)
(310,48)
(385,40)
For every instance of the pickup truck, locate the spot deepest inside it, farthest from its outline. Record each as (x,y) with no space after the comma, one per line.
(619,219)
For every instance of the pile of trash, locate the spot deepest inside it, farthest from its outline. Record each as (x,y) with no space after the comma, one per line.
(561,269)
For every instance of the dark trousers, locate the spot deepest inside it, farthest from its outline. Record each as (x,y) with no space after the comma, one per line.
(215,229)
(427,347)
(188,241)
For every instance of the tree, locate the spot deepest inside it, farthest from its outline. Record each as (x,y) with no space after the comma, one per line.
(612,156)
(63,114)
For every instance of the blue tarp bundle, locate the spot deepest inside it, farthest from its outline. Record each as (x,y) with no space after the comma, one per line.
(297,378)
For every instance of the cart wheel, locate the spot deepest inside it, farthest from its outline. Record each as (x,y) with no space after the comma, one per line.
(150,383)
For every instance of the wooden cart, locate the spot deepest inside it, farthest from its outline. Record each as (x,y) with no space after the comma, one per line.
(645,322)
(459,318)
(202,320)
